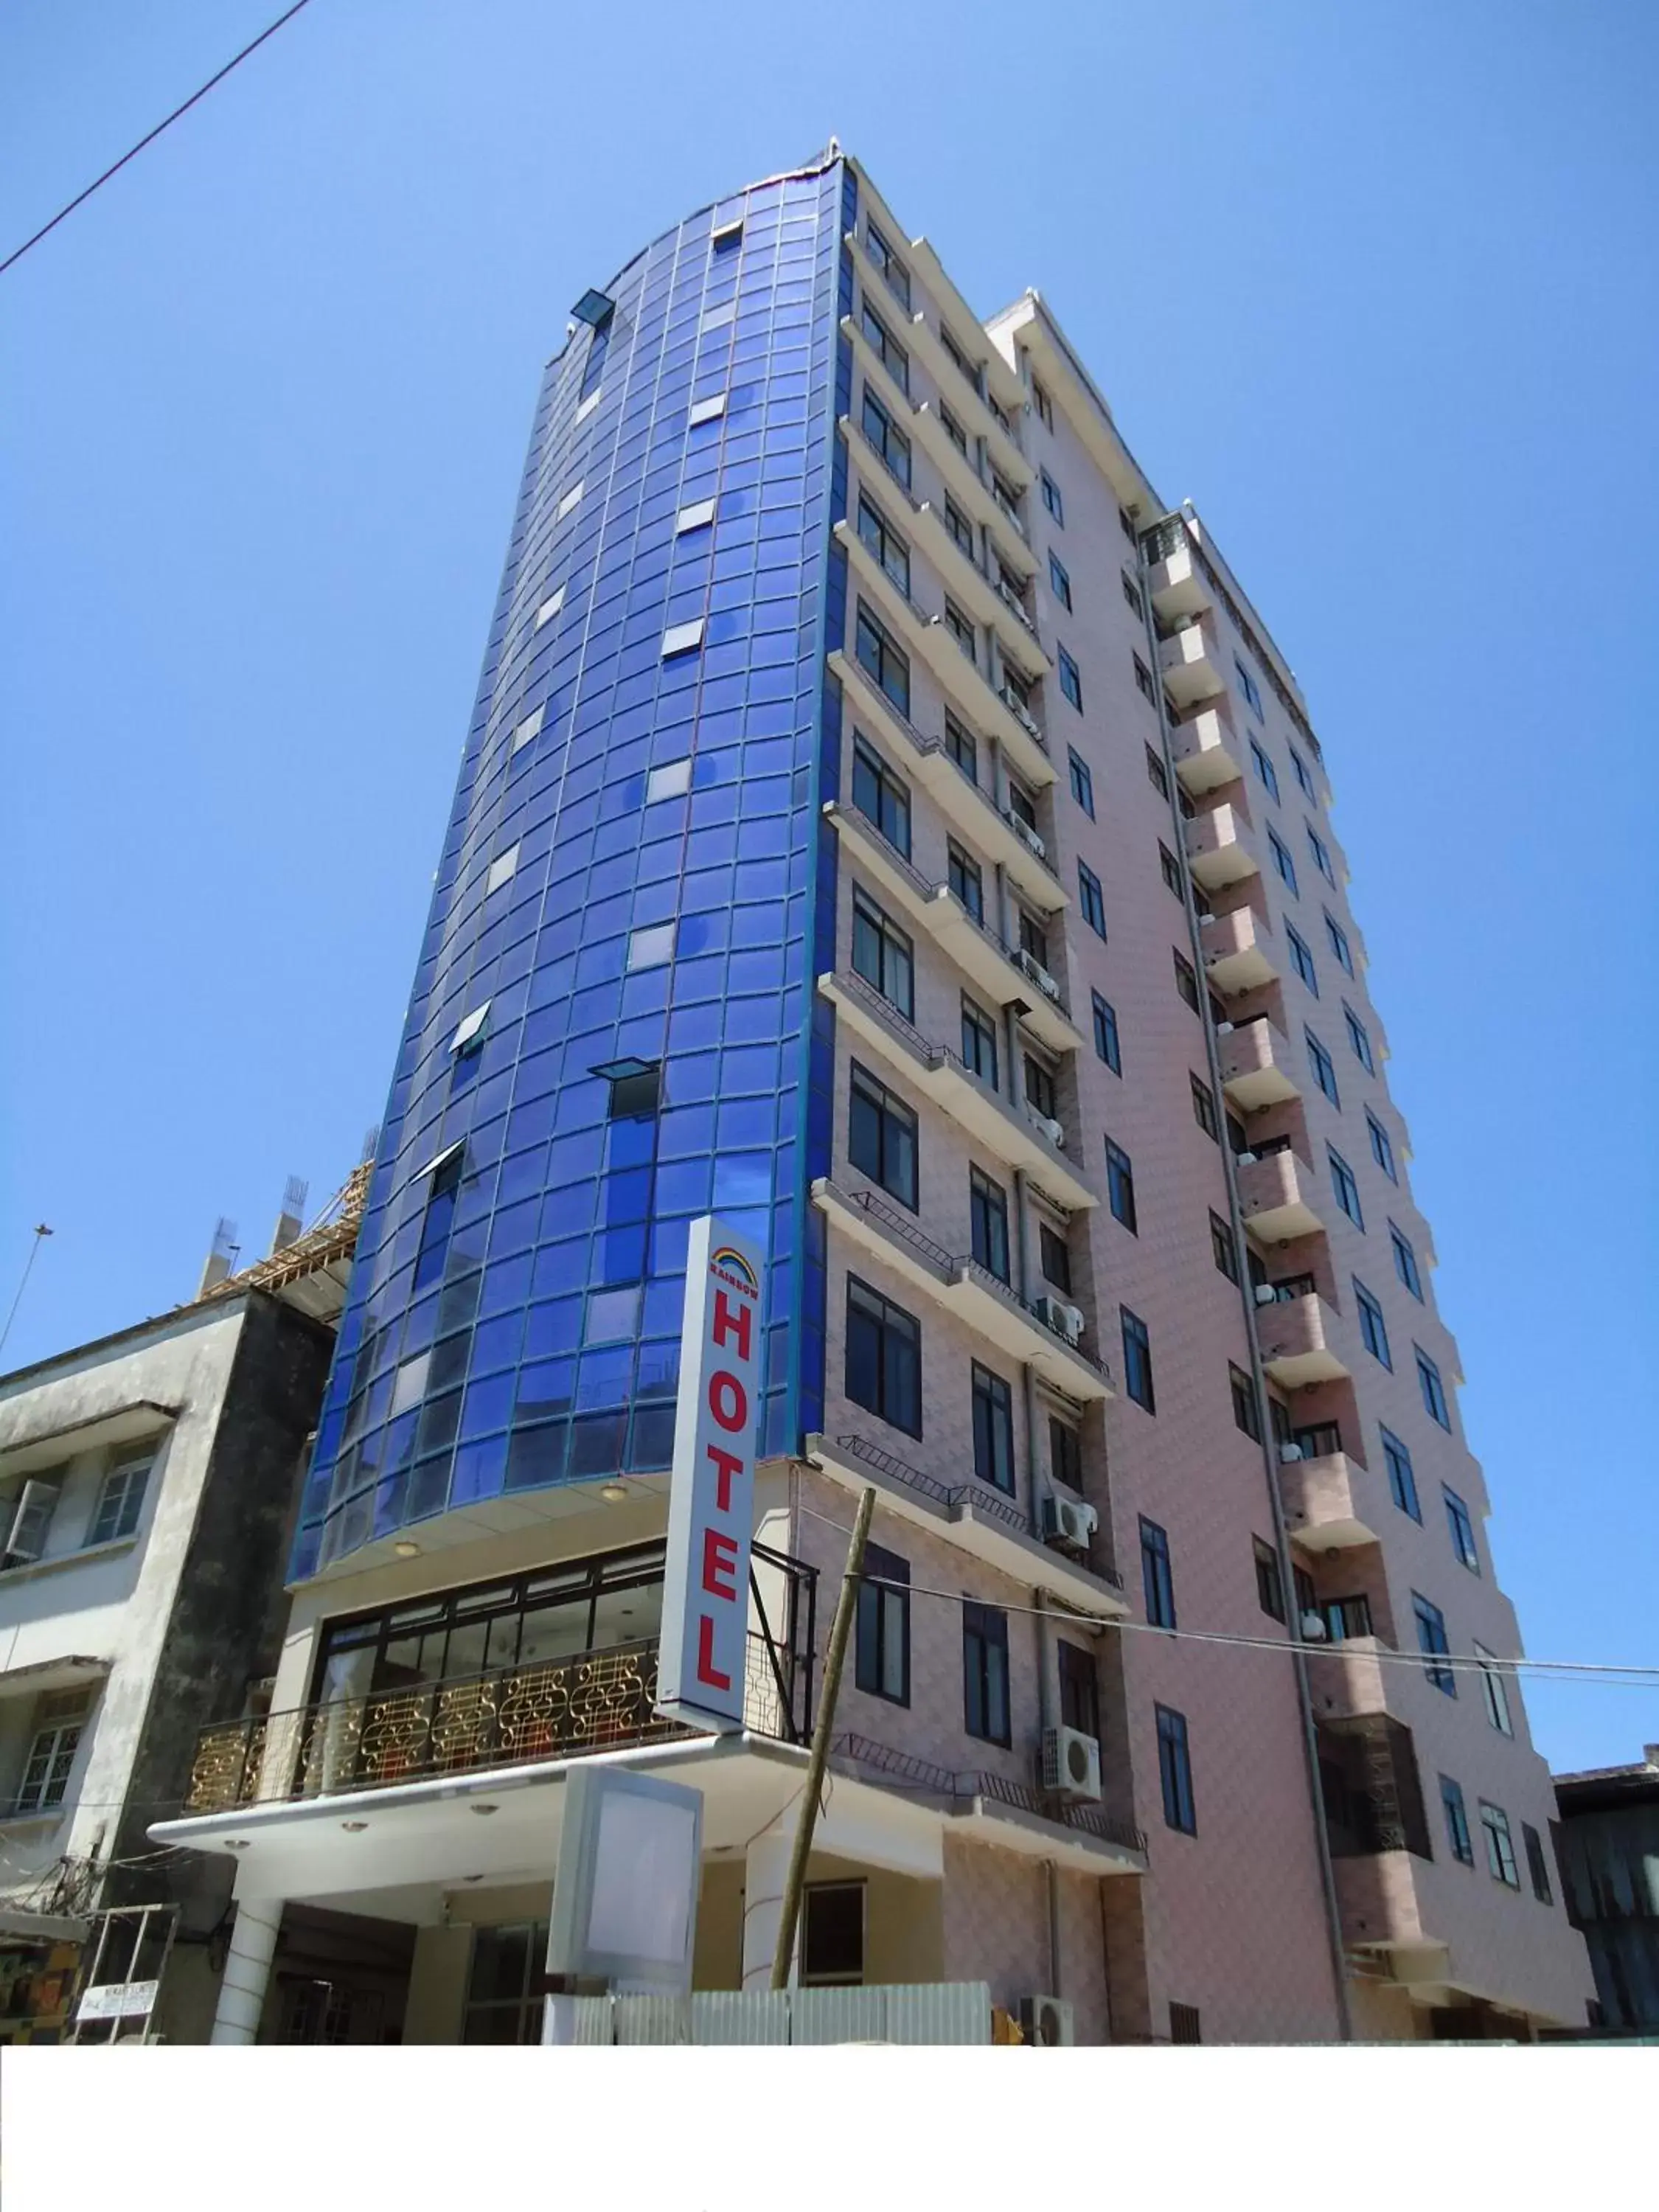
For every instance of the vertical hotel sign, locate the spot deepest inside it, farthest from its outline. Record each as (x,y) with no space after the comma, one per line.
(705,1600)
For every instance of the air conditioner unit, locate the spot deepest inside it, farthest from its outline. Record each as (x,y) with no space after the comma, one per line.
(1047,2022)
(1031,966)
(1289,1454)
(1028,836)
(1245,1159)
(1022,715)
(1052,1130)
(1223,1029)
(1265,1294)
(1071,1764)
(1068,1522)
(1313,1628)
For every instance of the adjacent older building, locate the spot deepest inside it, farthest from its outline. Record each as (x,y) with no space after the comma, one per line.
(886,822)
(149,1484)
(1608,1847)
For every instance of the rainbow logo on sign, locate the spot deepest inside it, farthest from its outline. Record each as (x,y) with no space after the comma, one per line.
(733,1268)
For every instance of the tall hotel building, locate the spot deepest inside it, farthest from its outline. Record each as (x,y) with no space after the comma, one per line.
(886,823)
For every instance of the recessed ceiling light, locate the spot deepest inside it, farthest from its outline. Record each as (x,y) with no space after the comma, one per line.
(353,1827)
(486,1808)
(239,1844)
(614,1492)
(405,1550)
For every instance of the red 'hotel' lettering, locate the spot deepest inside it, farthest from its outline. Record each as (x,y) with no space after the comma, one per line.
(726,1464)
(731,1321)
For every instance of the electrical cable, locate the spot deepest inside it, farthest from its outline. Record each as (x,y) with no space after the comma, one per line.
(150,136)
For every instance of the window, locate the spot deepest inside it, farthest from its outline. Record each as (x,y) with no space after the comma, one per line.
(1132,597)
(637,1095)
(505,866)
(1373,1329)
(1265,770)
(964,367)
(959,527)
(882,661)
(1169,868)
(1283,863)
(966,882)
(1247,685)
(879,796)
(1157,775)
(1433,1390)
(961,748)
(881,1136)
(993,1429)
(651,948)
(1402,1480)
(1322,857)
(979,1042)
(882,954)
(1339,944)
(883,1357)
(1144,680)
(1187,981)
(1359,1040)
(1039,1087)
(1052,499)
(59,1719)
(1346,1189)
(1065,1453)
(1405,1263)
(1432,1641)
(1269,1582)
(1056,1258)
(1246,1413)
(832,1934)
(988,1211)
(985,1674)
(963,630)
(1500,1850)
(1204,1111)
(1091,899)
(1457,1821)
(1125,524)
(1044,405)
(1083,783)
(1121,1186)
(1302,960)
(885,346)
(889,548)
(438,1220)
(1070,683)
(1138,1360)
(1494,1691)
(1186,2023)
(953,430)
(1302,775)
(119,1503)
(1174,1770)
(1079,1693)
(1464,1548)
(882,1667)
(886,435)
(1156,1581)
(897,275)
(1537,1867)
(1222,1246)
(1059,582)
(1382,1150)
(504,2002)
(707,410)
(1106,1045)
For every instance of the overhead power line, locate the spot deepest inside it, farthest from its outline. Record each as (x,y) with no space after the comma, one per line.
(150,136)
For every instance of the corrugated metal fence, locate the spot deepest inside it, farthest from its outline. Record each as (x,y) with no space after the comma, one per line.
(921,2012)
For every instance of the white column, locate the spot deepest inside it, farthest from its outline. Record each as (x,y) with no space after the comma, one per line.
(247,1969)
(765,1871)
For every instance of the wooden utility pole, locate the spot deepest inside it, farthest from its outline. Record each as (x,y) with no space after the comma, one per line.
(846,1606)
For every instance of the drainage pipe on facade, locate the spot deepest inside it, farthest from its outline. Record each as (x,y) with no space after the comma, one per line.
(1241,1261)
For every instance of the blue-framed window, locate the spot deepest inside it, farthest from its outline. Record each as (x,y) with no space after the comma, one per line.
(1157,1579)
(1346,1189)
(1360,1038)
(1431,1642)
(1121,1186)
(884,346)
(1457,1821)
(1460,1522)
(1283,863)
(1373,1329)
(1071,682)
(1052,499)
(1302,960)
(1402,1476)
(1382,1149)
(1174,1770)
(1138,1360)
(1324,1071)
(1106,1041)
(886,435)
(882,1632)
(985,1674)
(1500,1848)
(1302,775)
(1091,899)
(438,1220)
(1404,1262)
(1265,770)
(880,795)
(1434,1390)
(1247,684)
(1338,943)
(1083,783)
(1317,847)
(1060,582)
(883,1357)
(883,661)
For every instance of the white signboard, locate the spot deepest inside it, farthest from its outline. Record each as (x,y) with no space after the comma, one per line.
(705,1599)
(116,1999)
(630,1863)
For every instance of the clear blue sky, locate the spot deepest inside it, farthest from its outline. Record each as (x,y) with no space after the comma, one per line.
(1375,286)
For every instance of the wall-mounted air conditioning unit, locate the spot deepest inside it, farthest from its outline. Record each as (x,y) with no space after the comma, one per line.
(1065,1320)
(1071,1764)
(1245,1159)
(1052,1130)
(1028,836)
(1068,1522)
(1265,1294)
(1289,1454)
(1313,1628)
(1223,1029)
(1047,2022)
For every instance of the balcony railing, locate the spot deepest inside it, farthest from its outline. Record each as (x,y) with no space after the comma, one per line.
(557,1709)
(881,1760)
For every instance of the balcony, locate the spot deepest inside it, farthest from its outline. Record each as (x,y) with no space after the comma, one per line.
(997,1122)
(978,1519)
(1207,751)
(1190,664)
(1351,1679)
(1255,1064)
(963,1287)
(963,681)
(1275,1196)
(1296,1338)
(1237,954)
(998,968)
(1176,582)
(1013,1815)
(1217,851)
(969,585)
(1323,1503)
(962,398)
